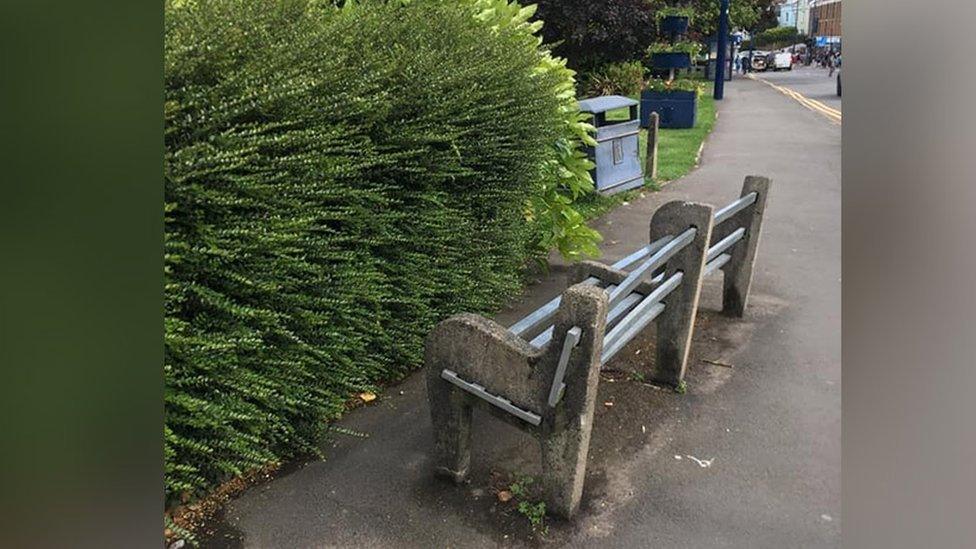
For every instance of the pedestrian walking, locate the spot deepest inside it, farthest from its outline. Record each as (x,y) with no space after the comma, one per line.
(830,64)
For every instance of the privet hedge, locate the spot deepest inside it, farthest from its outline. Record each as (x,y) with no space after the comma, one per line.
(335,182)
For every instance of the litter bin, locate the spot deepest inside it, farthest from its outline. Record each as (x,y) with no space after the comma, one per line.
(617,151)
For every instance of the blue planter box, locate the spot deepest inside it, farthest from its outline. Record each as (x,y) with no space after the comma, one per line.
(671,60)
(675,109)
(676,24)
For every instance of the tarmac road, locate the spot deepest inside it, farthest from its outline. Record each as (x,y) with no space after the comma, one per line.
(811,82)
(759,444)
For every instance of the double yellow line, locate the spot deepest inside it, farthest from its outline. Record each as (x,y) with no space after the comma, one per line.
(832,114)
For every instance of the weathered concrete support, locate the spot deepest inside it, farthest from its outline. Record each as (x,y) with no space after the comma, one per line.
(738,271)
(483,352)
(674,326)
(451,418)
(565,435)
(650,160)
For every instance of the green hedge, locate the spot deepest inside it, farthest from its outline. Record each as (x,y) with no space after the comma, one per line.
(336,182)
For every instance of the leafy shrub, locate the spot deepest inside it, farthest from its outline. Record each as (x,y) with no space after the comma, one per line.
(594,33)
(616,79)
(336,181)
(566,179)
(743,14)
(777,37)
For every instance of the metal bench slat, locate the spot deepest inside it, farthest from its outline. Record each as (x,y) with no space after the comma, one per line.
(639,317)
(640,254)
(716,263)
(542,314)
(727,212)
(540,340)
(724,244)
(651,264)
(611,350)
(622,308)
(480,392)
(558,386)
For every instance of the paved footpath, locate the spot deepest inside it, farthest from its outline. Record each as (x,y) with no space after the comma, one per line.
(764,435)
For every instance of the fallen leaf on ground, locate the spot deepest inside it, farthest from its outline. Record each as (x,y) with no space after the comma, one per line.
(367,396)
(504,496)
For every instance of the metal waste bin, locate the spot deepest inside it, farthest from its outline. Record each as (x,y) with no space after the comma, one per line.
(617,152)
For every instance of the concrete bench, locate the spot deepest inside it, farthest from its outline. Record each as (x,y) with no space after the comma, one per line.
(541,373)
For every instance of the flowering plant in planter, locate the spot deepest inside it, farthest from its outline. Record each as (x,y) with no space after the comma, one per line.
(691,48)
(680,84)
(687,13)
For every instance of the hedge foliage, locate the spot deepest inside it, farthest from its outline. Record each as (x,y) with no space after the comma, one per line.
(336,182)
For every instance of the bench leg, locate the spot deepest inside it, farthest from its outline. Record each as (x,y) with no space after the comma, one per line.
(675,325)
(564,465)
(737,279)
(565,436)
(450,415)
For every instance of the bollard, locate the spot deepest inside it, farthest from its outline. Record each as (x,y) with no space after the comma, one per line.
(650,163)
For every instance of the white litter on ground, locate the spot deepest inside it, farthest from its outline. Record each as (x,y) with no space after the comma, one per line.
(701,462)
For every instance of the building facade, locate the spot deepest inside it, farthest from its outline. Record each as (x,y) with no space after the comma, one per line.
(796,14)
(825,20)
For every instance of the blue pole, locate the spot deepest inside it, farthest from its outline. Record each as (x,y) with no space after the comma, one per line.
(723,43)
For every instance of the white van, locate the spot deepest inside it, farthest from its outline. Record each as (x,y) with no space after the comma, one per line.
(780,60)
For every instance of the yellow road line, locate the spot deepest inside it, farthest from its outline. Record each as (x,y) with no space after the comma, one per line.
(831,113)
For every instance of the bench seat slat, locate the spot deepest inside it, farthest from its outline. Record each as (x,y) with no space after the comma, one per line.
(640,254)
(543,314)
(612,349)
(621,309)
(727,212)
(724,244)
(651,264)
(716,263)
(639,317)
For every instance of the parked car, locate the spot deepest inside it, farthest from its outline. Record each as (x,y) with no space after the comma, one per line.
(759,61)
(782,60)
